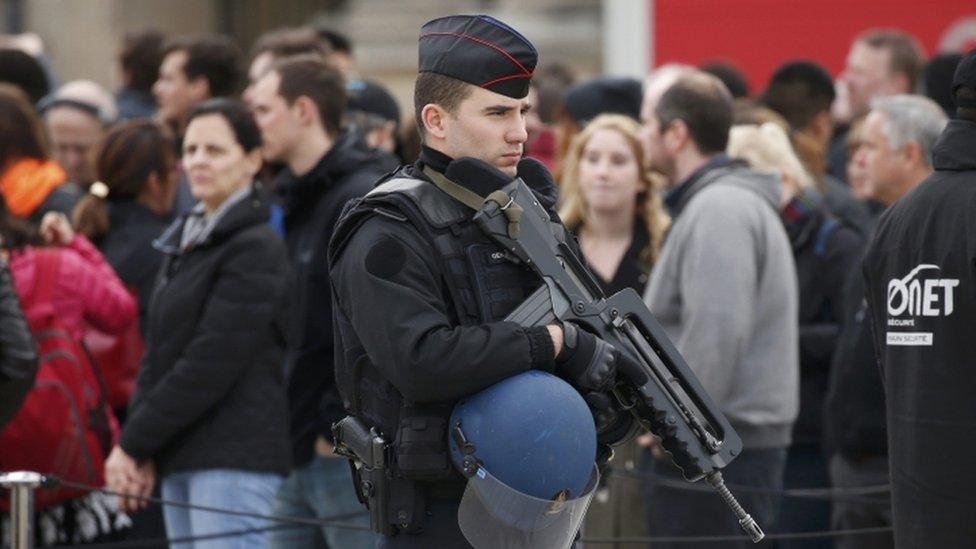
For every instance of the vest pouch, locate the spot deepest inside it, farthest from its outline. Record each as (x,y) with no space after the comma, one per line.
(500,282)
(421,448)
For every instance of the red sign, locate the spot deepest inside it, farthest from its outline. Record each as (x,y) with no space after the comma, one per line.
(760,35)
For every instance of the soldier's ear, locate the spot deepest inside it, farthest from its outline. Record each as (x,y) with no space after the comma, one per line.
(434,119)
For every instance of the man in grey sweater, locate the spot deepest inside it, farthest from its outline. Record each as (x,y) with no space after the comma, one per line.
(725,290)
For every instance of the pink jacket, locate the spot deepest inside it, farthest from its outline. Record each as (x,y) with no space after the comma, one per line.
(87,290)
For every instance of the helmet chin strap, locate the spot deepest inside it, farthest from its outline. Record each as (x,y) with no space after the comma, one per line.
(470,464)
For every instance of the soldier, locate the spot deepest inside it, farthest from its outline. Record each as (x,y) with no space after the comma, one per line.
(421,294)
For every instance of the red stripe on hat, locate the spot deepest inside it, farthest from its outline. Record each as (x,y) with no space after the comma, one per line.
(502,79)
(499,49)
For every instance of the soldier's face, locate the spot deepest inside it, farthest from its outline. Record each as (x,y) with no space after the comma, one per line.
(488,126)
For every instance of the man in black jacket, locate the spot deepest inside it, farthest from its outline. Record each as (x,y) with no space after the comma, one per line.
(298,105)
(899,136)
(920,275)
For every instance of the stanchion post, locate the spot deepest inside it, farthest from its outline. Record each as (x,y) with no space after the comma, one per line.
(21,485)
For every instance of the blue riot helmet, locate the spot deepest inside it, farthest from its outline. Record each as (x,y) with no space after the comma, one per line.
(528,447)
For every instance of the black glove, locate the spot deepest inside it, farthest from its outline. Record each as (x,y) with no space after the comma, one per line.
(585,359)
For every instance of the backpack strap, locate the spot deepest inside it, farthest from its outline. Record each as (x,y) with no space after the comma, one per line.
(47,264)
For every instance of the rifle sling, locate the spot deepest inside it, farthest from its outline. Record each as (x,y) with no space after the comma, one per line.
(471,199)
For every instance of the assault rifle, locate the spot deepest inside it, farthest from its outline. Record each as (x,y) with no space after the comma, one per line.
(660,391)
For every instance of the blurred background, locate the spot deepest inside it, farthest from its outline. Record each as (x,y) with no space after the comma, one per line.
(612,37)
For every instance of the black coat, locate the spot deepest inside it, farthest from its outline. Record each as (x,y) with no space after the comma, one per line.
(210,391)
(63,199)
(312,204)
(920,276)
(390,291)
(18,356)
(854,411)
(128,248)
(825,250)
(630,272)
(843,205)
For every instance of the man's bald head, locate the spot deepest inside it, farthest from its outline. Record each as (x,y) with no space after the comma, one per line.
(75,118)
(659,81)
(704,104)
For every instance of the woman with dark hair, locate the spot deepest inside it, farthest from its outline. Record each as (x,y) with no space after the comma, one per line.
(129,206)
(209,409)
(31,183)
(24,71)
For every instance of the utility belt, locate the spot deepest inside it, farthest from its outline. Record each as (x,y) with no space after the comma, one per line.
(395,480)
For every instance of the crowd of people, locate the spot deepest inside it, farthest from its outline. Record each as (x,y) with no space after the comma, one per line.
(179,232)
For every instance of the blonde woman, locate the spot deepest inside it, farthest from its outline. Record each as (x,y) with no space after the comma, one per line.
(608,199)
(825,250)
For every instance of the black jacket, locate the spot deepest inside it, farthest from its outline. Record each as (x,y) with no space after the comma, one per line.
(63,198)
(843,205)
(390,291)
(920,275)
(128,248)
(854,411)
(312,204)
(630,273)
(210,392)
(18,356)
(825,250)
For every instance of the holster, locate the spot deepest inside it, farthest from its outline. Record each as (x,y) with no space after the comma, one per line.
(395,504)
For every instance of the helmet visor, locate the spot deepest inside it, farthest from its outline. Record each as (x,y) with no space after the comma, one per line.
(494,515)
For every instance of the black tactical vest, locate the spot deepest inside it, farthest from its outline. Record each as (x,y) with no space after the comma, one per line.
(482,283)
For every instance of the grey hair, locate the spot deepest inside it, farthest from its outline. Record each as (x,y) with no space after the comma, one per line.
(911,118)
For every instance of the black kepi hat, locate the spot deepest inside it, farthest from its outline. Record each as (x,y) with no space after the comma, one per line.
(479,50)
(603,95)
(372,98)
